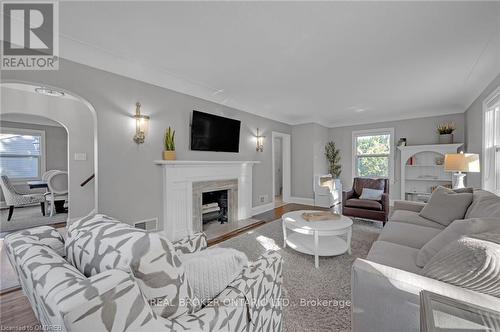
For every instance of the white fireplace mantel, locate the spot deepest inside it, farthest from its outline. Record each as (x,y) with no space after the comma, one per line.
(178,179)
(173,163)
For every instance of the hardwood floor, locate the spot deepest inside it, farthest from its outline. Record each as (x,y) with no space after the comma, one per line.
(15,309)
(16,313)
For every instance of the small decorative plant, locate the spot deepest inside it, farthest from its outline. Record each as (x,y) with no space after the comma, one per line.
(332,154)
(446,128)
(169,142)
(445,131)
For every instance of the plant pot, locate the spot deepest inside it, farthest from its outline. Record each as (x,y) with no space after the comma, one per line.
(446,139)
(168,155)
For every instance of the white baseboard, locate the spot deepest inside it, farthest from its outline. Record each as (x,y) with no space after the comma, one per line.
(262,208)
(301,200)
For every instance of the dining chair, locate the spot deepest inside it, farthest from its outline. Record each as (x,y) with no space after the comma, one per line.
(58,189)
(46,175)
(16,199)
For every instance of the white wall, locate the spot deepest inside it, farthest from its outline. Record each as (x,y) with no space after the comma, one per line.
(474,128)
(77,119)
(129,183)
(417,132)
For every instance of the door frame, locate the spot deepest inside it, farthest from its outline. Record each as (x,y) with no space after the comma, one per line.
(286,164)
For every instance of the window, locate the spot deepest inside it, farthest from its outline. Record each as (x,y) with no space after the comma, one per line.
(373,153)
(491,143)
(22,153)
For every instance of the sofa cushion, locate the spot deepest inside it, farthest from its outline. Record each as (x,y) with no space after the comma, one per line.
(406,234)
(394,255)
(414,218)
(472,262)
(18,241)
(485,205)
(360,183)
(445,206)
(210,271)
(103,243)
(453,232)
(364,204)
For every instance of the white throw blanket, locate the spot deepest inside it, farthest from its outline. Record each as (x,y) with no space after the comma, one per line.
(210,271)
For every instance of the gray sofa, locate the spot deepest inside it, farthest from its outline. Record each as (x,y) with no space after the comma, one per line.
(65,298)
(386,285)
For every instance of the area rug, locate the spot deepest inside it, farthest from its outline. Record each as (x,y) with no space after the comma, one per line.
(27,217)
(317,299)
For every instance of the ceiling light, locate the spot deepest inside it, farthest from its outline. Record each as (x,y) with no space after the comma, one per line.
(49,92)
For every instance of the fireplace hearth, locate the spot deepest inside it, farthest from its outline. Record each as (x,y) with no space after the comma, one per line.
(215,206)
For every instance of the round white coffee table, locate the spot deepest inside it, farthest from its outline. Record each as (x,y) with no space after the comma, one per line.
(318,238)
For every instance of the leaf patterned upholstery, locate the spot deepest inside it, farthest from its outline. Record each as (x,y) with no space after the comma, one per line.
(112,300)
(103,243)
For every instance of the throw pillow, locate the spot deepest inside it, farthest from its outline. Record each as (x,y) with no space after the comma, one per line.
(445,206)
(371,194)
(103,243)
(453,232)
(472,262)
(210,271)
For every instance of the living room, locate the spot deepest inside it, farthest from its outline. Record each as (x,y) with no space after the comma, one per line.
(311,146)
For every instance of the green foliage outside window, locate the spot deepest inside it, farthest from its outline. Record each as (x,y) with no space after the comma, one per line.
(373,155)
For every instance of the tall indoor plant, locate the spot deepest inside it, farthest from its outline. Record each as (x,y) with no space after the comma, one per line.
(332,155)
(169,152)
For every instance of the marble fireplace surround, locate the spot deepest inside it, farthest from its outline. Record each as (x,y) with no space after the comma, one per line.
(207,186)
(180,177)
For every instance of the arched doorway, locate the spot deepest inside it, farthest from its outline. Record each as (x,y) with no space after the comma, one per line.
(78,118)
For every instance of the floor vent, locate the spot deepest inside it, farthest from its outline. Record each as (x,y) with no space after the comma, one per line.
(148,225)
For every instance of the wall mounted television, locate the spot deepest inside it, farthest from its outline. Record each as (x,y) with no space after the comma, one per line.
(214,133)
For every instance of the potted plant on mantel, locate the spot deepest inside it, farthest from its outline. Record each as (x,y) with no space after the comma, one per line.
(445,131)
(332,155)
(169,152)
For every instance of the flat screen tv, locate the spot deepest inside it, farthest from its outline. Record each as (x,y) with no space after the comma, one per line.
(214,133)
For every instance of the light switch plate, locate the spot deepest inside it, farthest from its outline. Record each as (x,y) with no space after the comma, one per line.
(80,156)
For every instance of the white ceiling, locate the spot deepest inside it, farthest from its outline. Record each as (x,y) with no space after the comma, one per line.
(334,63)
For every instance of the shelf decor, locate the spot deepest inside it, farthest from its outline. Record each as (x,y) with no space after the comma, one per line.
(421,172)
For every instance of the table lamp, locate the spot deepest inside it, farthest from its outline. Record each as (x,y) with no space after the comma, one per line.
(461,162)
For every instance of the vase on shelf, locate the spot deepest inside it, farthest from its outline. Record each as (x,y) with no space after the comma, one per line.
(446,139)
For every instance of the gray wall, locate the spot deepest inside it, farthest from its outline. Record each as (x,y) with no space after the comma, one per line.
(417,132)
(129,183)
(56,146)
(308,142)
(474,128)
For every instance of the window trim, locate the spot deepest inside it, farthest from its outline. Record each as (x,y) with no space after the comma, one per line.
(42,159)
(374,132)
(488,103)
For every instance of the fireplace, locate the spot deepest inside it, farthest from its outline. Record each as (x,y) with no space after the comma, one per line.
(183,187)
(214,206)
(214,201)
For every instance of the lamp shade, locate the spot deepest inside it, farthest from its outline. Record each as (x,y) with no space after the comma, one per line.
(462,162)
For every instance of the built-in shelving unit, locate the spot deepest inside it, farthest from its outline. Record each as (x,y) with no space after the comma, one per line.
(422,169)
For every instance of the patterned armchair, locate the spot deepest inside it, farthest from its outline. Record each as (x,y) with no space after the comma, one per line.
(112,300)
(15,199)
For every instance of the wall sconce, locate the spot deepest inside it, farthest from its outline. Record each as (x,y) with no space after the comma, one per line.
(260,142)
(141,124)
